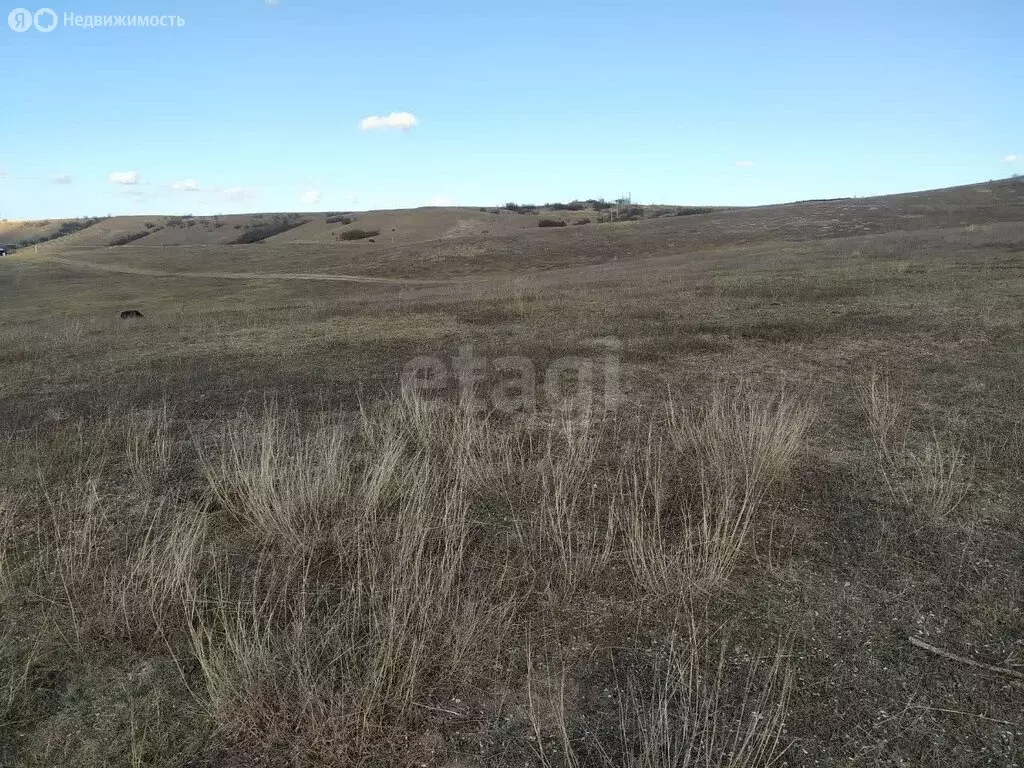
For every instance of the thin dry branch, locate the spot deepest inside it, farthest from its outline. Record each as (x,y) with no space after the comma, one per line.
(918,642)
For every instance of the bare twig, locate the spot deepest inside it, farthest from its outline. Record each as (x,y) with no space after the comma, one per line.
(439,709)
(916,641)
(924,708)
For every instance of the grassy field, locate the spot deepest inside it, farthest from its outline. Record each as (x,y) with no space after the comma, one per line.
(672,492)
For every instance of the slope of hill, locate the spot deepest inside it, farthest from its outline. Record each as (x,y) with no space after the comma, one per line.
(738,488)
(994,201)
(444,243)
(26,233)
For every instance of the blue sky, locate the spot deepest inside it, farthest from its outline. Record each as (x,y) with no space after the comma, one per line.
(258,106)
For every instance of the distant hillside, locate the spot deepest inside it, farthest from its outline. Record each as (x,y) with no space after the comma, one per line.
(21,234)
(419,225)
(398,227)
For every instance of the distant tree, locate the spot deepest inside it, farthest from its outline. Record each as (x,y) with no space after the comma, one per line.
(277,225)
(67,228)
(359,234)
(129,238)
(520,207)
(575,205)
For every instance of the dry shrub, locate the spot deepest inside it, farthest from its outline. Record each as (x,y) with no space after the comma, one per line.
(79,538)
(742,440)
(15,667)
(693,713)
(87,564)
(149,447)
(335,579)
(940,477)
(928,478)
(161,584)
(569,529)
(283,485)
(6,541)
(694,706)
(734,449)
(380,604)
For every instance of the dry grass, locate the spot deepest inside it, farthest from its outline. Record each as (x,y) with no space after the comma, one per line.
(149,448)
(691,714)
(352,575)
(334,579)
(324,584)
(930,476)
(568,523)
(407,558)
(15,668)
(75,553)
(941,477)
(744,439)
(361,603)
(687,500)
(6,536)
(693,706)
(283,485)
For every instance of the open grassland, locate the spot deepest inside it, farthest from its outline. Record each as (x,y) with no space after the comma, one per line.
(230,537)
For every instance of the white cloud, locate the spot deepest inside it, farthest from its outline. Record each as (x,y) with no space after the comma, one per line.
(62,178)
(185,185)
(125,178)
(311,195)
(271,2)
(237,194)
(744,163)
(403,121)
(1011,159)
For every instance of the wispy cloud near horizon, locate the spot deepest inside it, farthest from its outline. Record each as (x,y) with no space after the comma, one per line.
(125,178)
(237,194)
(185,185)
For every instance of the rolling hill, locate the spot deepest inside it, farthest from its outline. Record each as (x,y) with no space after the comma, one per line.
(740,487)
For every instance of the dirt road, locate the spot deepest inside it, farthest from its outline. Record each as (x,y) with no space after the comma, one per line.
(88,265)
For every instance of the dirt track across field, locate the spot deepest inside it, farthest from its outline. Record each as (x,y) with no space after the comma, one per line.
(78,264)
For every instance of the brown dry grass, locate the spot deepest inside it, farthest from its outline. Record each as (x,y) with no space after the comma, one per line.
(334,582)
(227,536)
